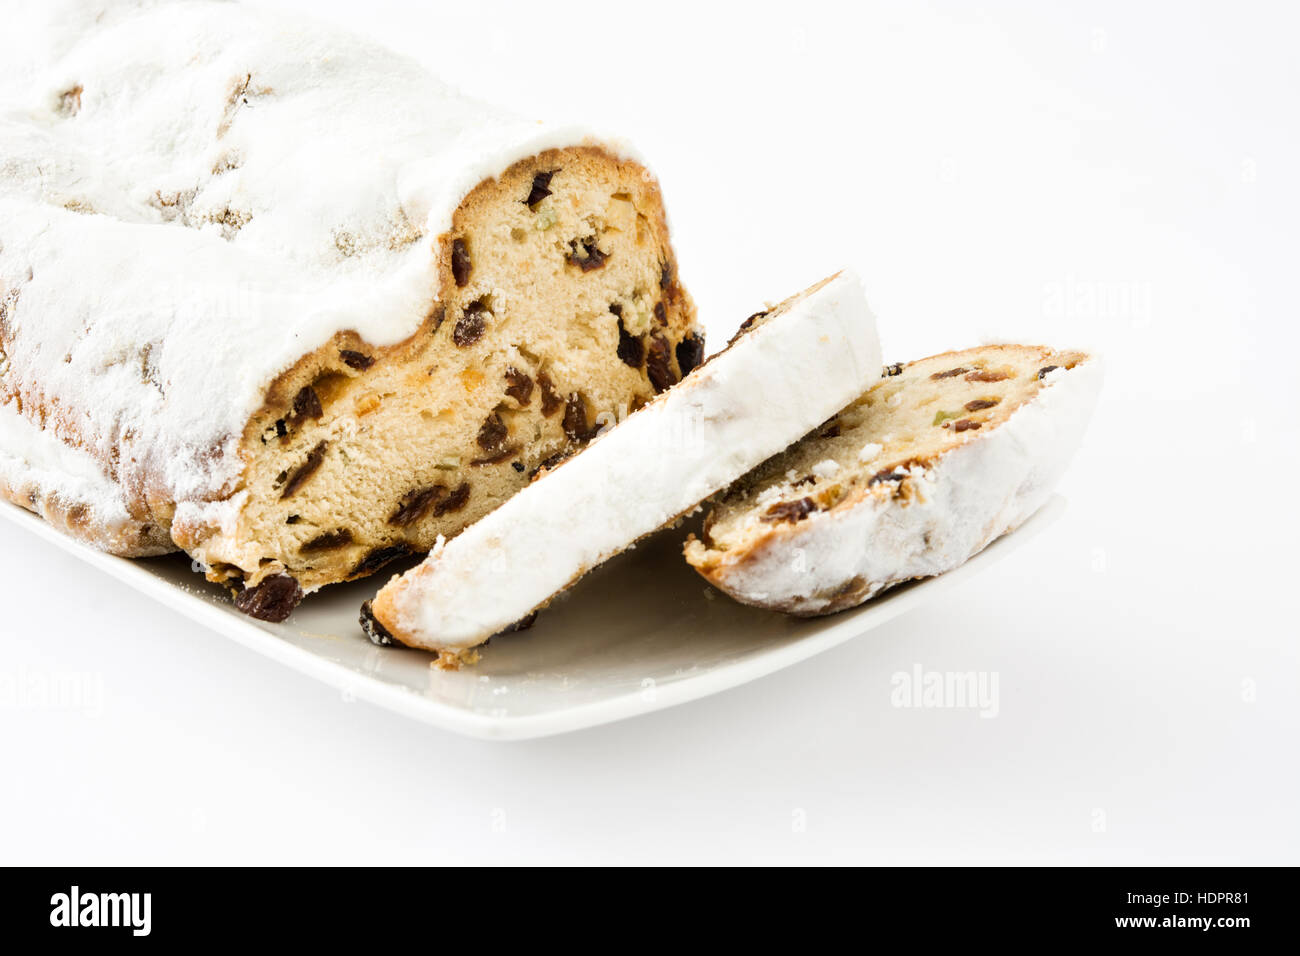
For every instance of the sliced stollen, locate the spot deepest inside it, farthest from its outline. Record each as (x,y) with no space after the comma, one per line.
(279,297)
(787,369)
(922,471)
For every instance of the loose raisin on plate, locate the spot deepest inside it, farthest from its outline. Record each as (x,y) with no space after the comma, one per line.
(273,600)
(305,470)
(461,266)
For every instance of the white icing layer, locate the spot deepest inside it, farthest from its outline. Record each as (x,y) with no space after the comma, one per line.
(983,488)
(193,195)
(782,378)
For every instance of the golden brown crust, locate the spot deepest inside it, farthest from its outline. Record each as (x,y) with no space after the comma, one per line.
(77,519)
(153,526)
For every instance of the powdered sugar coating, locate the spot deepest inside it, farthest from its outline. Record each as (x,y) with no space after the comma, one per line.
(727,416)
(193,195)
(981,489)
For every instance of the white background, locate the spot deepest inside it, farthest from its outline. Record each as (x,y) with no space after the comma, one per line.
(1121,176)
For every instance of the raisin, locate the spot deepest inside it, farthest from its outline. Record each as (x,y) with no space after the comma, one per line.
(887,474)
(492,432)
(575,418)
(630,348)
(665,275)
(551,400)
(981,403)
(273,600)
(548,464)
(790,510)
(305,470)
(746,326)
(832,432)
(377,558)
(523,624)
(690,353)
(415,504)
(454,501)
(328,541)
(435,316)
(585,255)
(371,627)
(661,314)
(1043,372)
(892,370)
(306,404)
(281,429)
(471,325)
(951,373)
(657,364)
(540,190)
(356,360)
(496,458)
(964,425)
(983,376)
(517,465)
(461,266)
(519,385)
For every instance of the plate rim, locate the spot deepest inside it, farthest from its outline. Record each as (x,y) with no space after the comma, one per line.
(436,713)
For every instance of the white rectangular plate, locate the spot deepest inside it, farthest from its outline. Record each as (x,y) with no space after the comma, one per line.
(642,633)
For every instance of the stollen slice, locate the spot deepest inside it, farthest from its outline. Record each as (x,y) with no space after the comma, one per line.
(925,469)
(787,369)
